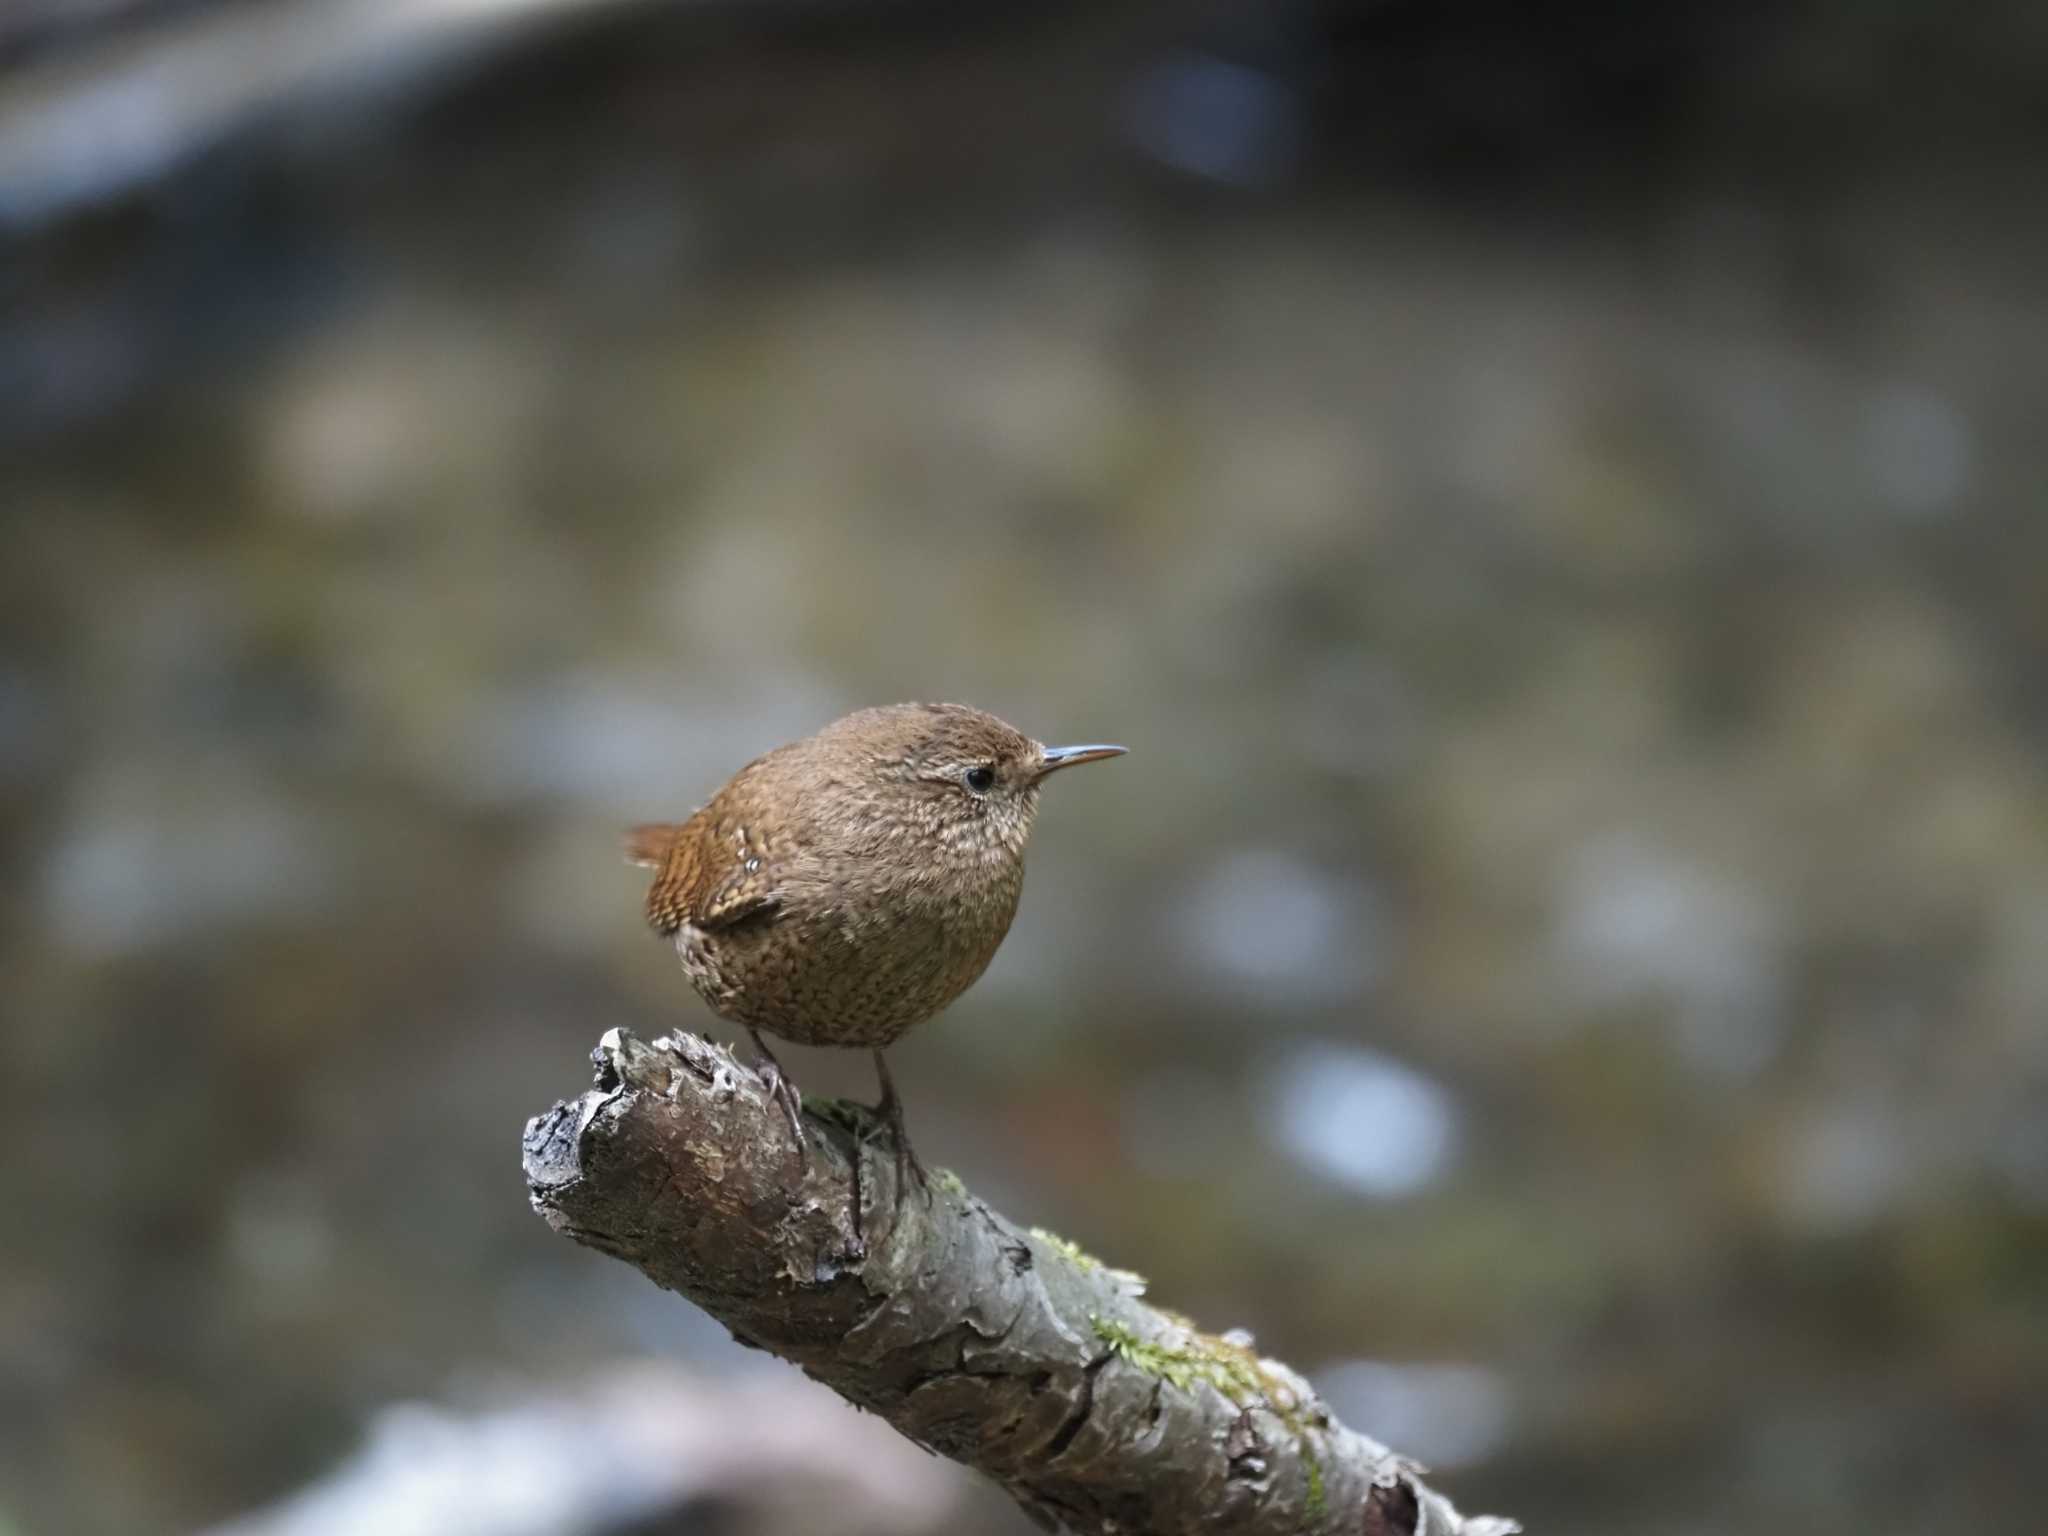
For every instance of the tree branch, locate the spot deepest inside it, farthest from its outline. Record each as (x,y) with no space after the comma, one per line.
(1006,1349)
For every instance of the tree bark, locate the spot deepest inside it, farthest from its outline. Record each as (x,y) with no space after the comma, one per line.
(1006,1349)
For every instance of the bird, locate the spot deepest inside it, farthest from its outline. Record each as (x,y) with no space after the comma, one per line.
(845,888)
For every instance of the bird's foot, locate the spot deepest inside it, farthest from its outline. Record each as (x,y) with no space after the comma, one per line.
(908,1164)
(790,1097)
(784,1092)
(888,1116)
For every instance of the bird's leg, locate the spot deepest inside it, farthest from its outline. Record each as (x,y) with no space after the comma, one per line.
(890,1110)
(859,1237)
(781,1090)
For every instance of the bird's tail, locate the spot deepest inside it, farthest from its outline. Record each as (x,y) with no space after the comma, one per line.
(656,845)
(649,843)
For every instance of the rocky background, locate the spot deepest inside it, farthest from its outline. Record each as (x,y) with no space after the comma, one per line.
(1552,501)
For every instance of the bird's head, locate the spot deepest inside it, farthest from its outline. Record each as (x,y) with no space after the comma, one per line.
(955,775)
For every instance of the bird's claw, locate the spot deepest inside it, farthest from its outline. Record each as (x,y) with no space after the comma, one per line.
(908,1164)
(907,1159)
(786,1093)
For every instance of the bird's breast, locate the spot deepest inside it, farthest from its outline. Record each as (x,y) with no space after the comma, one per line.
(852,962)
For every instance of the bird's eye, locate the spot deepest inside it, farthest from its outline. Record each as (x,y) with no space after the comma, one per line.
(981,778)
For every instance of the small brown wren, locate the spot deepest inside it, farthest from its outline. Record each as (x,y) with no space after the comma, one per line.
(850,885)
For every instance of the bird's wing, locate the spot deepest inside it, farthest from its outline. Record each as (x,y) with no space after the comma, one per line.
(709,870)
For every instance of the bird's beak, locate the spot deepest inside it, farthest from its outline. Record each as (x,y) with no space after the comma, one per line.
(1065,757)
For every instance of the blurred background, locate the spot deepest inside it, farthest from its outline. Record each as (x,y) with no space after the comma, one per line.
(1544,492)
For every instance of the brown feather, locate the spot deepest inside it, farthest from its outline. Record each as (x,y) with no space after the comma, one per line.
(710,870)
(648,844)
